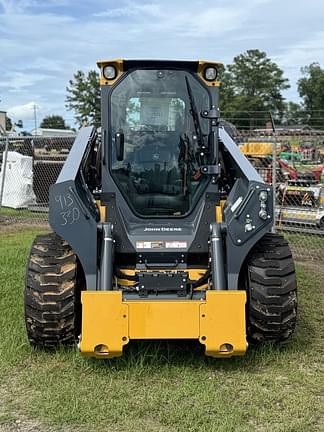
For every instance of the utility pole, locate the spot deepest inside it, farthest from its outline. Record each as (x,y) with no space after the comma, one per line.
(35,119)
(4,164)
(274,170)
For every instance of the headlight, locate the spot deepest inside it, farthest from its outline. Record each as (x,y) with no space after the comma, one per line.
(109,72)
(210,73)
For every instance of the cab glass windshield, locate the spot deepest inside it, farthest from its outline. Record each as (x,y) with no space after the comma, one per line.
(159,140)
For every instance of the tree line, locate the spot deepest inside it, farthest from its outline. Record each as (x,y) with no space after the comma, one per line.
(48,122)
(251,88)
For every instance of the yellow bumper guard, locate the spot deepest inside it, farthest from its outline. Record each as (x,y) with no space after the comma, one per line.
(109,322)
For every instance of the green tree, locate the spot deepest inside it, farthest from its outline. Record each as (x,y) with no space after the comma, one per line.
(53,122)
(294,114)
(84,97)
(311,90)
(252,86)
(8,124)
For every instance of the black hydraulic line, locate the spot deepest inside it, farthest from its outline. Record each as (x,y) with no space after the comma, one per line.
(121,275)
(217,258)
(106,265)
(202,281)
(194,113)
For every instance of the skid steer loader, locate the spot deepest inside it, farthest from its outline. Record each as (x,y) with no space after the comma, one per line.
(161,226)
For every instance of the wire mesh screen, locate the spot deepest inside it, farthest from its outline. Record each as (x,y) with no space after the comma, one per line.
(291,158)
(29,165)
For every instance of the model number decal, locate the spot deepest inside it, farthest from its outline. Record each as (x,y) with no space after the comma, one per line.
(236,204)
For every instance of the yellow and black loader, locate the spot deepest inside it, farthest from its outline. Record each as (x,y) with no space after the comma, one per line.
(161,226)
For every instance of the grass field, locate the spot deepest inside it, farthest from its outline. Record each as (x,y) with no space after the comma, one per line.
(305,246)
(158,386)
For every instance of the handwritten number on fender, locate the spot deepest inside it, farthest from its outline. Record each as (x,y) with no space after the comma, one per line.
(69,214)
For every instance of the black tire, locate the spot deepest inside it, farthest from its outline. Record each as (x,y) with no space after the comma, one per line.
(321,224)
(272,291)
(51,293)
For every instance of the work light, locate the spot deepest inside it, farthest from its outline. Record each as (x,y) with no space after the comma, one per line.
(210,73)
(109,72)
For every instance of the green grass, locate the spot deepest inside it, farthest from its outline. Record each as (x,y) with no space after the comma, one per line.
(305,246)
(160,386)
(19,213)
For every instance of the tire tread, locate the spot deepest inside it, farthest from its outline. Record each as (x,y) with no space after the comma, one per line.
(272,291)
(51,293)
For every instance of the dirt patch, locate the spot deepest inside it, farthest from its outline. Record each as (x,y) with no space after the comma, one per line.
(12,420)
(25,425)
(9,224)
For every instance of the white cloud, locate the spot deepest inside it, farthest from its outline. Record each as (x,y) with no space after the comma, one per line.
(23,112)
(133,9)
(115,13)
(44,43)
(180,19)
(10,6)
(303,52)
(26,112)
(293,57)
(19,81)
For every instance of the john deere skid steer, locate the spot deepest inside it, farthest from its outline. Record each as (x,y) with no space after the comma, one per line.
(161,226)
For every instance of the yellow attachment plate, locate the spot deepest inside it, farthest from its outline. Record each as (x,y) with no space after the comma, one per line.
(108,322)
(168,319)
(104,324)
(222,323)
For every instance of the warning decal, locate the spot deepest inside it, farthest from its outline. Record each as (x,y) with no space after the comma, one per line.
(160,244)
(175,244)
(155,244)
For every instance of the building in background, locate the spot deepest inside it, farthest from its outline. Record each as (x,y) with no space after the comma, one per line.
(3,117)
(43,132)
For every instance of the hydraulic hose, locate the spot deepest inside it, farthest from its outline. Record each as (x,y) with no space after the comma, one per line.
(121,275)
(203,280)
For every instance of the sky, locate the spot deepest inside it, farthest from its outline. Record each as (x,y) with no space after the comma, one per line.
(44,42)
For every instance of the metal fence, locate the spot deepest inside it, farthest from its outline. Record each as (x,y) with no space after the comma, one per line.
(29,165)
(291,158)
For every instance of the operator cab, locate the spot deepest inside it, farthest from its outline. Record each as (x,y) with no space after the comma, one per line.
(158,140)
